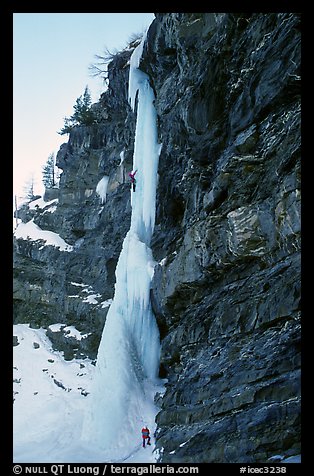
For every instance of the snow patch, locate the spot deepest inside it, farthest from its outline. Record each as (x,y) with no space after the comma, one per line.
(40,203)
(69,331)
(106,303)
(32,231)
(50,209)
(91,299)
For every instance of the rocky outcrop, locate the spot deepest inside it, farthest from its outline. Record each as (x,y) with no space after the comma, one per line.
(226,289)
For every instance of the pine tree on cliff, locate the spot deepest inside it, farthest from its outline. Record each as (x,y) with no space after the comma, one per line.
(83,115)
(49,172)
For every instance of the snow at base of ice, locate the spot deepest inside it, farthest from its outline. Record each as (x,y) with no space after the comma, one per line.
(51,397)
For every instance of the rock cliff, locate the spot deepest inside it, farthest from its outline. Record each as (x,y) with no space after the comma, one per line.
(226,289)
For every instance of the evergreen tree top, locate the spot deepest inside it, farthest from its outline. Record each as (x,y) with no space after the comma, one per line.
(83,115)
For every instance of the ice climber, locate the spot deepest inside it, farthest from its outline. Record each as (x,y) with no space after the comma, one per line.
(145,436)
(133,180)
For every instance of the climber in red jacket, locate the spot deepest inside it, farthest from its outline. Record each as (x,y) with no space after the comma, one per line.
(133,180)
(145,436)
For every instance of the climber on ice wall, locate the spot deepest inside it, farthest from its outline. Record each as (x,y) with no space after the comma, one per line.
(133,180)
(145,435)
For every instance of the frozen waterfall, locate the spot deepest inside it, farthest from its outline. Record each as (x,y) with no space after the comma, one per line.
(126,376)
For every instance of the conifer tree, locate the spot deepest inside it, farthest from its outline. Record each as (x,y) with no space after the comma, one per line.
(83,115)
(50,175)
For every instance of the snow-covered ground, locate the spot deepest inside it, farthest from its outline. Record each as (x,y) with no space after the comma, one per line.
(51,395)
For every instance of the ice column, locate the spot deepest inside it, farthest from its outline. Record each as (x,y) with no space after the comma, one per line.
(126,374)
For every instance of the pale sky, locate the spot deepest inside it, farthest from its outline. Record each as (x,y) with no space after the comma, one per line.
(52,53)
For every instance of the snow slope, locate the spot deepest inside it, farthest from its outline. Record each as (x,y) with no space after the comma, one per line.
(50,397)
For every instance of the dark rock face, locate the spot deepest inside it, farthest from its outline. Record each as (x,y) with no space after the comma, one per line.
(226,291)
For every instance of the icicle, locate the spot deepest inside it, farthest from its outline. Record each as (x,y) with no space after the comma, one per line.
(101,188)
(136,76)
